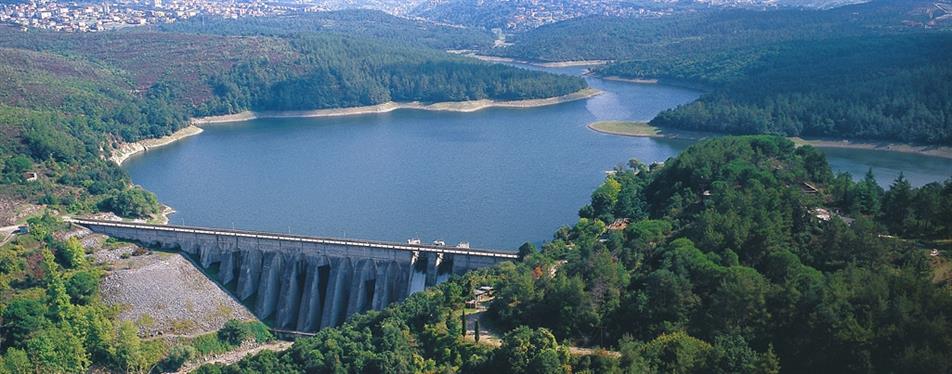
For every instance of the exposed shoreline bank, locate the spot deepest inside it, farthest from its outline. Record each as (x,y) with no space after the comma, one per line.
(630,80)
(126,150)
(927,150)
(450,106)
(644,130)
(556,64)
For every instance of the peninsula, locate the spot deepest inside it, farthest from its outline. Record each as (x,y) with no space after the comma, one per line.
(644,129)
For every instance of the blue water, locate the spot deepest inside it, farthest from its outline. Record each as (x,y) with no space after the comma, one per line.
(495,178)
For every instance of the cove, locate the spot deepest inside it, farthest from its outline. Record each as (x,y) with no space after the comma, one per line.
(495,178)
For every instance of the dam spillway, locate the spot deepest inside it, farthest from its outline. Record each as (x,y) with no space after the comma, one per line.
(305,283)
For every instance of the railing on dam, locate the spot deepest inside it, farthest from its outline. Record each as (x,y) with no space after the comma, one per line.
(300,238)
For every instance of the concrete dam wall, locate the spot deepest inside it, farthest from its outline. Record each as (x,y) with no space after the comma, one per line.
(306,283)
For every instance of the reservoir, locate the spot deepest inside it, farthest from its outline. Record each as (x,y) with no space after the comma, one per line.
(495,178)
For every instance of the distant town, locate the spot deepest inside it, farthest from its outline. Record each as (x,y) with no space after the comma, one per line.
(114,14)
(518,15)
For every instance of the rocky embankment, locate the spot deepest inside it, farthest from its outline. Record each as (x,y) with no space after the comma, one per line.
(163,293)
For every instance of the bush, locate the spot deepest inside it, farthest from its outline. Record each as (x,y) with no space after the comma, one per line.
(17,164)
(261,332)
(234,332)
(177,357)
(209,344)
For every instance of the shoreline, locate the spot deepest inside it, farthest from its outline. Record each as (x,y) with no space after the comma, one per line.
(448,106)
(630,80)
(551,64)
(125,150)
(882,146)
(645,130)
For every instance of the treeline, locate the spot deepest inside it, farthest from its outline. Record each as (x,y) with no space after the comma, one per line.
(67,100)
(707,31)
(728,265)
(893,88)
(869,71)
(337,72)
(354,22)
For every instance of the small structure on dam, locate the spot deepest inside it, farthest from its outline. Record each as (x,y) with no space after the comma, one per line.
(306,283)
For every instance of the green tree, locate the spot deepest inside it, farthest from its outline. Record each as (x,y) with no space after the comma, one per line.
(17,164)
(21,318)
(129,355)
(526,249)
(56,350)
(132,202)
(676,352)
(82,287)
(526,350)
(897,207)
(58,304)
(16,361)
(71,254)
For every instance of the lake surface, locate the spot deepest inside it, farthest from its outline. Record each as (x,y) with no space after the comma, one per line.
(495,178)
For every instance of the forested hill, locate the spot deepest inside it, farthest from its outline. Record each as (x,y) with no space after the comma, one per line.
(892,88)
(619,38)
(66,99)
(741,255)
(877,71)
(353,22)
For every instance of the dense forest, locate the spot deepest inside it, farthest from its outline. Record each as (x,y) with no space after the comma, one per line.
(355,22)
(67,99)
(742,254)
(894,88)
(874,71)
(338,72)
(619,38)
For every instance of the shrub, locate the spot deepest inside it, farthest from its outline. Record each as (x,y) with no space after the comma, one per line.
(209,344)
(177,357)
(17,164)
(260,332)
(234,332)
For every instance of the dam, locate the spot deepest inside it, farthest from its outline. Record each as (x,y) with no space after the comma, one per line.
(305,283)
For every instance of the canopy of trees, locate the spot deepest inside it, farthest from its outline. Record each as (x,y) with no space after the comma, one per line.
(355,22)
(871,71)
(893,88)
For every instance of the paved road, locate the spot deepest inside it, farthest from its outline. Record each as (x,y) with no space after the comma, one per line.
(6,233)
